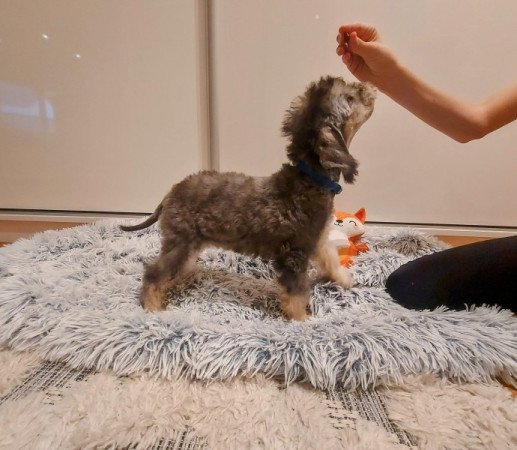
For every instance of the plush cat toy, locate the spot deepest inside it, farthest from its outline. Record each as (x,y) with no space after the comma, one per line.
(345,234)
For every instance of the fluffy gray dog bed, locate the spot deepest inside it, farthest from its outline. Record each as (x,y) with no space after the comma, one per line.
(71,295)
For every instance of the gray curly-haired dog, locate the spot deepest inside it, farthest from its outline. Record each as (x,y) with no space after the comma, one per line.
(283,217)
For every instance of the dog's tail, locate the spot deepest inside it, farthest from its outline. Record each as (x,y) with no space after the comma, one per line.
(146,223)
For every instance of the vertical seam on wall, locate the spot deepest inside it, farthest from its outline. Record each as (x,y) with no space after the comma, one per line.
(214,161)
(208,159)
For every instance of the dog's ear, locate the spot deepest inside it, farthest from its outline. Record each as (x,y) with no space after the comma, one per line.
(294,117)
(333,154)
(302,115)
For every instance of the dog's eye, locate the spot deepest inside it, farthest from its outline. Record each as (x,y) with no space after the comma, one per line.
(350,98)
(353,223)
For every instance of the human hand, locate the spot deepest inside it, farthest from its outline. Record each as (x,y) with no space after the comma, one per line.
(364,55)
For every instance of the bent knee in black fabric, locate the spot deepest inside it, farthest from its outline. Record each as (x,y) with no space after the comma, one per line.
(474,274)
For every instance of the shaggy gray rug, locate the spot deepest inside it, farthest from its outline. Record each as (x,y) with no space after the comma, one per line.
(71,295)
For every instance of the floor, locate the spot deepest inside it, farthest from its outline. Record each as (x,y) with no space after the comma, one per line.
(456,241)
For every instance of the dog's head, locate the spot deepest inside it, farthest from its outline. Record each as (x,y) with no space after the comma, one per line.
(322,122)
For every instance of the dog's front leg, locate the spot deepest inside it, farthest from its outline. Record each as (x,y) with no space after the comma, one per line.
(294,281)
(329,267)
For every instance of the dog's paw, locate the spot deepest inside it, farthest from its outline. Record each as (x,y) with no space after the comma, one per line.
(294,307)
(151,299)
(301,317)
(154,308)
(344,278)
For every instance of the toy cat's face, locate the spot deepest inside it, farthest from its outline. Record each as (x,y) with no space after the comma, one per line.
(350,224)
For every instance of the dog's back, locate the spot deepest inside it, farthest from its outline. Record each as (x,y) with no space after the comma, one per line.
(247,214)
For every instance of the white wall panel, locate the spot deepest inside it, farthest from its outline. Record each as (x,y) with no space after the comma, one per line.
(101,102)
(265,52)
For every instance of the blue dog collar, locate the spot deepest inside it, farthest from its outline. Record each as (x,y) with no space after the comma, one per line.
(320,179)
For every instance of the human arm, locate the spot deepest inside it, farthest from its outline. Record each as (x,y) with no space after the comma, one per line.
(369,60)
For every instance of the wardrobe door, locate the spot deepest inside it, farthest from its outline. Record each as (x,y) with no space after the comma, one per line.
(101,102)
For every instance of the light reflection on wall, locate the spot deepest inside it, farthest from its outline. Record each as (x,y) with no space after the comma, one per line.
(25,109)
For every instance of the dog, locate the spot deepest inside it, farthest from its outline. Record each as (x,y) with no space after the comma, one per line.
(284,217)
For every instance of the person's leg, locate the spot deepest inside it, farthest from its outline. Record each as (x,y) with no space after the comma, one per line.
(474,274)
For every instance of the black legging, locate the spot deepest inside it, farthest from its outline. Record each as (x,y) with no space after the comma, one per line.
(474,274)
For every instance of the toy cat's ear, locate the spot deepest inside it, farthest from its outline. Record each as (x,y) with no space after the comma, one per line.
(361,215)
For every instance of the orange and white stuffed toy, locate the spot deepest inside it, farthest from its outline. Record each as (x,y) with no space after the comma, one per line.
(345,233)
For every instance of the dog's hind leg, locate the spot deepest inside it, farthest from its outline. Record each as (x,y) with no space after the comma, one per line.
(294,281)
(329,267)
(174,260)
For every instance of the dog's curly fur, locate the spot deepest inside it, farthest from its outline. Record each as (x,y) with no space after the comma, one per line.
(282,217)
